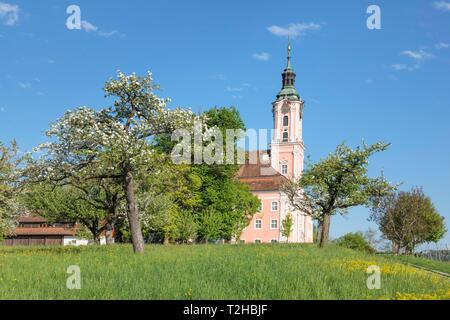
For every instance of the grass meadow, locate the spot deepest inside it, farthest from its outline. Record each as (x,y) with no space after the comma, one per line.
(276,271)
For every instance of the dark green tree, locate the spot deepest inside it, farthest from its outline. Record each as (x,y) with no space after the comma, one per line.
(355,241)
(222,205)
(408,219)
(95,206)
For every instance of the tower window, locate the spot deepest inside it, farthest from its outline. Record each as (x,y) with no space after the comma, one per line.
(285,121)
(284,169)
(258,224)
(285,136)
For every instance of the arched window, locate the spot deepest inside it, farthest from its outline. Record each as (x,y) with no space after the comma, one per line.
(285,136)
(285,121)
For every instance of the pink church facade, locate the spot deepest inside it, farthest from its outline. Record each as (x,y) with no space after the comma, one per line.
(283,161)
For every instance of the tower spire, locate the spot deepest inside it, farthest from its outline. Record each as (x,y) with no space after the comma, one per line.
(288,90)
(289,53)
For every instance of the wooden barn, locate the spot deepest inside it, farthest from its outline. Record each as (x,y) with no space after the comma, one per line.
(36,230)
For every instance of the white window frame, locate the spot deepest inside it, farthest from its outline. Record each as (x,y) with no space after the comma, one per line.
(256,224)
(271,225)
(274,241)
(284,166)
(271,206)
(258,241)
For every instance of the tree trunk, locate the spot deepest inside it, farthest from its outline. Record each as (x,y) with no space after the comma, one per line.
(96,238)
(319,230)
(95,233)
(133,214)
(325,234)
(109,233)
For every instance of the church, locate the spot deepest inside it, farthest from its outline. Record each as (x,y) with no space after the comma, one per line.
(283,161)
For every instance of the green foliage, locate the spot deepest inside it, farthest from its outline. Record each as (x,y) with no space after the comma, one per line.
(59,203)
(209,223)
(219,203)
(287,225)
(355,241)
(186,226)
(408,219)
(337,183)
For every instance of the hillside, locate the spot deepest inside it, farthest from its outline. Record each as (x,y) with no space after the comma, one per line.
(282,271)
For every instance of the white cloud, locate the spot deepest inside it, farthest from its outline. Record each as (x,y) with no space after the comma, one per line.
(24,85)
(9,13)
(402,67)
(108,34)
(88,27)
(417,55)
(235,89)
(294,30)
(442,45)
(442,5)
(262,56)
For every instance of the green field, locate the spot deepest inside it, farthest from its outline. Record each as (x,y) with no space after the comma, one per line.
(282,271)
(441,266)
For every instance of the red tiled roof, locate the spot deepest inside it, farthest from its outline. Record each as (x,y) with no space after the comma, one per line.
(44,231)
(264,183)
(261,176)
(29,219)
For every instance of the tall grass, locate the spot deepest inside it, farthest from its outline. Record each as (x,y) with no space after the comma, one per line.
(278,271)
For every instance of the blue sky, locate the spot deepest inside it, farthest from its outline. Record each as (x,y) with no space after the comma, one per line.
(390,84)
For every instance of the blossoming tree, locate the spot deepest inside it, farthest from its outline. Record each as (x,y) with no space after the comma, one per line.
(112,143)
(9,204)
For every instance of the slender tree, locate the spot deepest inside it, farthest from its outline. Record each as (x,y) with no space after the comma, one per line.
(287,225)
(336,184)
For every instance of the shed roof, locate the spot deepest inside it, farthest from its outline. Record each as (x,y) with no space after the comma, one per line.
(57,231)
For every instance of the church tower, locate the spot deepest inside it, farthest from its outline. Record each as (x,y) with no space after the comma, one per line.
(287,149)
(286,159)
